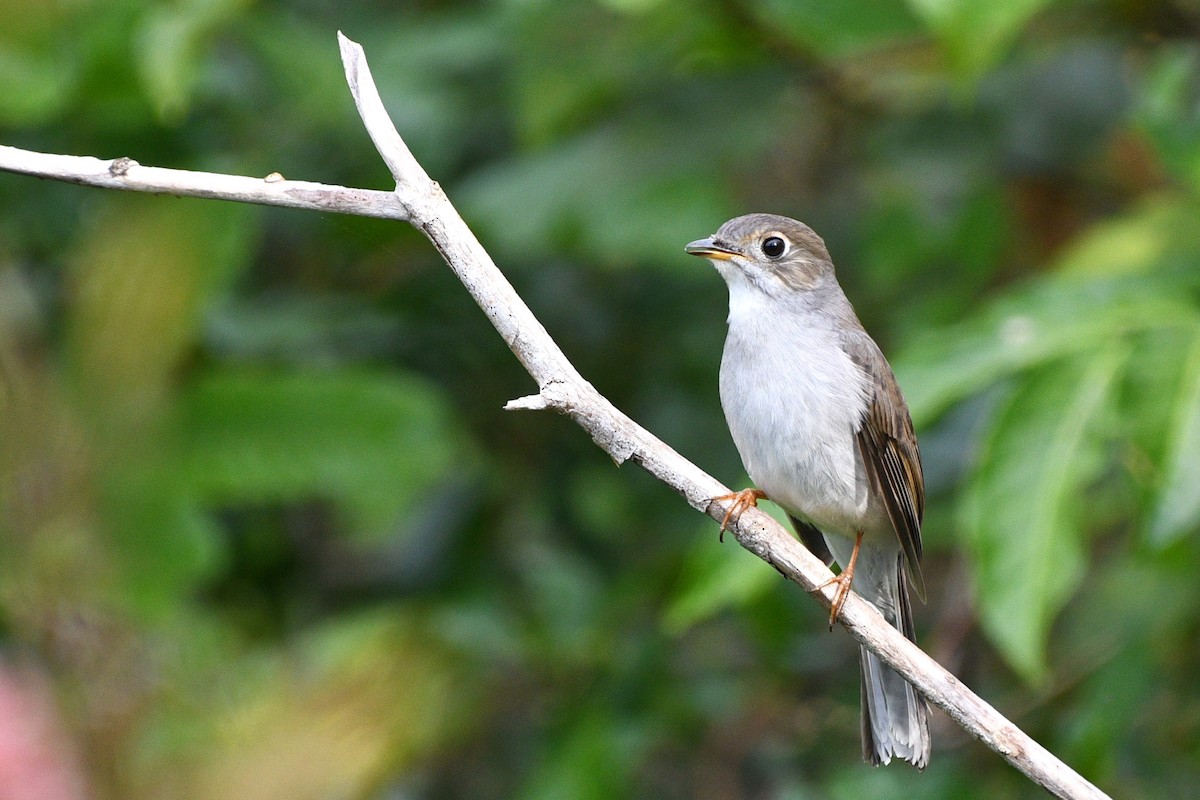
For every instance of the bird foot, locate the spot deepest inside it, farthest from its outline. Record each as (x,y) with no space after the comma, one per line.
(844,580)
(746,498)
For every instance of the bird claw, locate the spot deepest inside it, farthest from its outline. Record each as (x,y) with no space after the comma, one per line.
(746,498)
(844,580)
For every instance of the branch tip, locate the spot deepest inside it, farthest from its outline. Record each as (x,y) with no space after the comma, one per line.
(533,402)
(379,125)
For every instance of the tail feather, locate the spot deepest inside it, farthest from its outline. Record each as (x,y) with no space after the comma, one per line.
(895,719)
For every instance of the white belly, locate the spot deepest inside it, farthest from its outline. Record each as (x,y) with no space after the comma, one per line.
(793,402)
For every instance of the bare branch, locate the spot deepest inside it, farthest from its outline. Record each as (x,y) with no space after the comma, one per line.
(533,402)
(272,190)
(421,201)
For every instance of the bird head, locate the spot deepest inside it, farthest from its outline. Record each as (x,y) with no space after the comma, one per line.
(768,253)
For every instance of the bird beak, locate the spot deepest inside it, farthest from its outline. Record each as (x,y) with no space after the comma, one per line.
(708,248)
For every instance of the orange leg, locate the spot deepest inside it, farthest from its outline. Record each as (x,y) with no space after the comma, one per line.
(843,579)
(742,500)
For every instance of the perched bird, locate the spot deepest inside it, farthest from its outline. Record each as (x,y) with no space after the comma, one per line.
(824,432)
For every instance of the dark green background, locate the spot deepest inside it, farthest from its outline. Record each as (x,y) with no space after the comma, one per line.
(265,531)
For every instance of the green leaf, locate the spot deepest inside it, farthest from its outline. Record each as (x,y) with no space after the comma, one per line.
(141,278)
(170,48)
(716,578)
(40,86)
(1133,243)
(165,546)
(632,6)
(1053,317)
(1177,509)
(836,28)
(1166,109)
(373,443)
(1021,509)
(975,34)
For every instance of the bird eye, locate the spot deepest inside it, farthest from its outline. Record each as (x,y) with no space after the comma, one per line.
(774,246)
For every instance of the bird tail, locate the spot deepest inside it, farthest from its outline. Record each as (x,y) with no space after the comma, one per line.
(895,719)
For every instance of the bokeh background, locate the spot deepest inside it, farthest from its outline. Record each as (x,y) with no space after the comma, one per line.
(265,531)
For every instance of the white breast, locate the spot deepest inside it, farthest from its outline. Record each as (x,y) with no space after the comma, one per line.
(793,400)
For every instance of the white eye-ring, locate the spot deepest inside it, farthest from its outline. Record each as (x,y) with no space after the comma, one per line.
(774,245)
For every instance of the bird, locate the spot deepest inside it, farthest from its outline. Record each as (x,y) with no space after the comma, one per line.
(823,431)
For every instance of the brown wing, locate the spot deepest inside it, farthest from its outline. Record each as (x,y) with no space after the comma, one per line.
(889,451)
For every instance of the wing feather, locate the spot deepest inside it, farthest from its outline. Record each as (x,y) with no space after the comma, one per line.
(889,450)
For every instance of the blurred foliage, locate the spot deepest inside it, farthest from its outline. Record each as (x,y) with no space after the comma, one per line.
(265,532)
